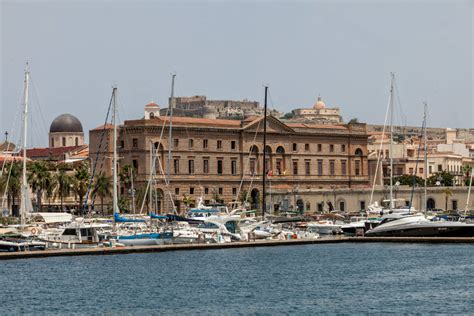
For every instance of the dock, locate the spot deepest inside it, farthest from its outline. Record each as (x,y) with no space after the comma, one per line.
(258,243)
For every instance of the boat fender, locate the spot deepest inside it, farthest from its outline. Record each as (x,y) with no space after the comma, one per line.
(34,231)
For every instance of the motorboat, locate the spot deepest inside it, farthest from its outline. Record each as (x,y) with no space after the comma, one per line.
(324,227)
(359,225)
(417,225)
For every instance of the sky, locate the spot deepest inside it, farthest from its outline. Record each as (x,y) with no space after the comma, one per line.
(341,50)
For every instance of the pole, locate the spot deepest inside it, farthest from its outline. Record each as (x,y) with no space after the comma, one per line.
(25,136)
(115,191)
(391,141)
(264,178)
(170,141)
(426,159)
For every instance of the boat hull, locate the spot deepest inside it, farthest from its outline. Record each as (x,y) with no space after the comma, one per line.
(460,230)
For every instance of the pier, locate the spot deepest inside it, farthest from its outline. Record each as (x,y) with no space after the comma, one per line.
(262,243)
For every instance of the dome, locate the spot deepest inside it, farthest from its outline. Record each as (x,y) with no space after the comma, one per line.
(66,123)
(319,104)
(152,105)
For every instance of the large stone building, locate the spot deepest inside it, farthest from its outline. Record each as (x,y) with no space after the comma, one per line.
(222,159)
(66,131)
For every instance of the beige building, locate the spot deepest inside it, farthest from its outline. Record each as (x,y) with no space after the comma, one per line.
(319,114)
(66,131)
(222,159)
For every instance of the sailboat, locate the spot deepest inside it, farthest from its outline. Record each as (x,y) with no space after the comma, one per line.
(137,234)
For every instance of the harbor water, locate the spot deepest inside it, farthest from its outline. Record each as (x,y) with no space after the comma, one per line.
(306,279)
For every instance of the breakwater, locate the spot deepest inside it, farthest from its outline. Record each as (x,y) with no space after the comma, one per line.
(261,243)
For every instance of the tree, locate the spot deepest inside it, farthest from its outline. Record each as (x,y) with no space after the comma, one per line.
(407,179)
(63,183)
(39,178)
(288,115)
(80,182)
(354,120)
(187,201)
(447,193)
(445,179)
(102,188)
(11,183)
(466,173)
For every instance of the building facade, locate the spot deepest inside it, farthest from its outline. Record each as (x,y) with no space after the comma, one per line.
(319,114)
(222,160)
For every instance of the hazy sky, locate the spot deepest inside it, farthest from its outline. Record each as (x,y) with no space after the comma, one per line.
(342,50)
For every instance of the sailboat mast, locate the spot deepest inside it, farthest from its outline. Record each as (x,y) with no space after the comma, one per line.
(114,160)
(25,135)
(264,177)
(170,140)
(391,141)
(425,158)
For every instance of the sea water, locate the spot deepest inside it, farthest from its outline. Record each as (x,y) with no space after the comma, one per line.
(308,279)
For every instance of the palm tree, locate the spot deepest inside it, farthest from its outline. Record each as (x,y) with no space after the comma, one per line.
(80,182)
(447,193)
(63,183)
(102,188)
(11,182)
(39,178)
(466,173)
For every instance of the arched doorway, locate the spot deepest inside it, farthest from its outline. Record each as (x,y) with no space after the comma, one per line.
(300,206)
(255,199)
(430,204)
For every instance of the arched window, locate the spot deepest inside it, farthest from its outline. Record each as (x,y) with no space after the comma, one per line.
(64,141)
(52,142)
(358,152)
(152,115)
(77,141)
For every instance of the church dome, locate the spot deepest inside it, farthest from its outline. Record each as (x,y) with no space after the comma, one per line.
(66,123)
(319,104)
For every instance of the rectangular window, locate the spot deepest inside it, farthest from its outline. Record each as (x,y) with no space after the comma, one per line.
(306,147)
(191,166)
(176,191)
(295,167)
(175,142)
(320,167)
(295,146)
(135,142)
(421,170)
(430,169)
(455,205)
(191,190)
(122,144)
(332,170)
(135,164)
(221,191)
(410,170)
(206,190)
(357,167)
(331,148)
(219,144)
(176,166)
(205,166)
(320,147)
(278,166)
(204,143)
(307,167)
(219,166)
(343,148)
(252,166)
(190,143)
(440,168)
(362,205)
(232,144)
(343,167)
(342,206)
(234,167)
(234,191)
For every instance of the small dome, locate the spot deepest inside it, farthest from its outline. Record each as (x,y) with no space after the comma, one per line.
(319,104)
(66,123)
(152,105)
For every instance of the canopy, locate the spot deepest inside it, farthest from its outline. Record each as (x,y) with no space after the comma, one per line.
(53,217)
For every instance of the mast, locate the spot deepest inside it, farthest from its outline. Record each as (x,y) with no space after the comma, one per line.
(264,178)
(425,158)
(24,181)
(391,141)
(114,160)
(170,141)
(469,193)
